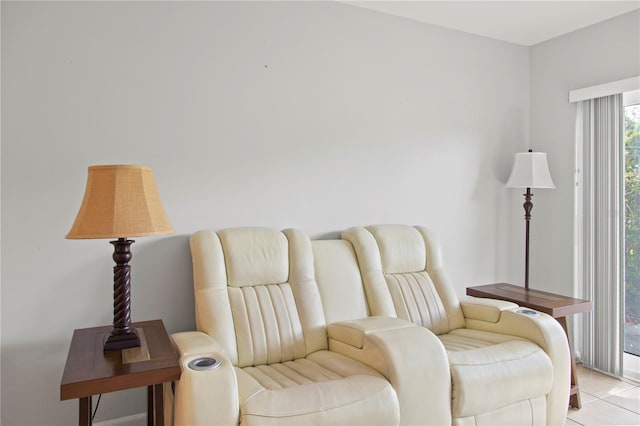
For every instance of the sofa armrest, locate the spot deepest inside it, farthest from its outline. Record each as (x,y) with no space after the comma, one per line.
(547,333)
(412,358)
(205,396)
(353,333)
(484,309)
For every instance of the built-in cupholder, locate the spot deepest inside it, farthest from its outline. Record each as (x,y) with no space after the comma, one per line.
(527,312)
(204,363)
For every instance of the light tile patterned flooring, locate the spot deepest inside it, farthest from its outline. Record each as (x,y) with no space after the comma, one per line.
(605,401)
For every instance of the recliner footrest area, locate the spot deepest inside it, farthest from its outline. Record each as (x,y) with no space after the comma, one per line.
(494,376)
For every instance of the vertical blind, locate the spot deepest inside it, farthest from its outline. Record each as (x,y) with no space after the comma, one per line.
(599,221)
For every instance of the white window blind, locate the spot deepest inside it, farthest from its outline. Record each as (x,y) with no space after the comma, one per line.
(599,266)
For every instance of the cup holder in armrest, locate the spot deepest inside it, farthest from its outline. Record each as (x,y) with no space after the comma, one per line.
(527,312)
(204,363)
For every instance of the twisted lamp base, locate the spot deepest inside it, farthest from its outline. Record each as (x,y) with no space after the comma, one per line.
(528,205)
(122,336)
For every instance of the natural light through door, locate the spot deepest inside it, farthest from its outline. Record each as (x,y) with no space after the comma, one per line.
(632,235)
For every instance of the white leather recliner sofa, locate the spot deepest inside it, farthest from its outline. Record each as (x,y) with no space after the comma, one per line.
(509,366)
(359,331)
(259,312)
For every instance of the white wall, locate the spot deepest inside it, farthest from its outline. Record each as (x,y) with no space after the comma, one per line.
(319,116)
(601,53)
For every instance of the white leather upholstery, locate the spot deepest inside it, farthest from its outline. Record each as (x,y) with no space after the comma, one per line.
(415,298)
(526,369)
(253,257)
(399,347)
(367,243)
(546,333)
(339,281)
(196,390)
(411,358)
(259,310)
(515,365)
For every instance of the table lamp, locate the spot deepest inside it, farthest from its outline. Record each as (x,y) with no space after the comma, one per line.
(530,170)
(120,201)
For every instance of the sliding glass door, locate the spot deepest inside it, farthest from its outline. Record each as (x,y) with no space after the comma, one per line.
(632,237)
(607,226)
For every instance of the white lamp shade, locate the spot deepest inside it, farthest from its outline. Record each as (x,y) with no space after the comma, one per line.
(530,170)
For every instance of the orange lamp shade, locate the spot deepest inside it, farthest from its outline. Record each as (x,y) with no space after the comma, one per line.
(120,201)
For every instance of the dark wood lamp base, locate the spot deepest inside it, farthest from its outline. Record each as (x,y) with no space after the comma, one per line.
(123,336)
(116,341)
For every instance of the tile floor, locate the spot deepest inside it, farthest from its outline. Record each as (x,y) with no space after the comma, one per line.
(605,401)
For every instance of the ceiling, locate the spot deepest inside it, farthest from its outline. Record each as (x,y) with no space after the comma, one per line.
(521,22)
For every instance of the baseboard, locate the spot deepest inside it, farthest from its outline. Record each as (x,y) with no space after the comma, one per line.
(135,420)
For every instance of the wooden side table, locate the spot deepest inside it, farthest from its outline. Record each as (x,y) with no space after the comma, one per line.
(554,305)
(91,371)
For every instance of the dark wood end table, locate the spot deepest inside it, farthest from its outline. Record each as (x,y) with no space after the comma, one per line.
(91,371)
(551,304)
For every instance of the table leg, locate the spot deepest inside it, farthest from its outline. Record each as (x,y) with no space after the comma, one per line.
(150,409)
(155,405)
(574,394)
(84,418)
(159,404)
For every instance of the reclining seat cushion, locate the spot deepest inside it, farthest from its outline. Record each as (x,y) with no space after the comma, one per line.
(256,292)
(409,261)
(516,369)
(324,388)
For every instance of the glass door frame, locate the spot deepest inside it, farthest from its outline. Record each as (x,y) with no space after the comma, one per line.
(630,362)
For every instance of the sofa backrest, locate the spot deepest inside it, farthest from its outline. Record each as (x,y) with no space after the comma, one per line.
(404,275)
(339,281)
(256,294)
